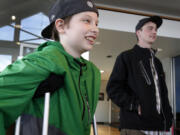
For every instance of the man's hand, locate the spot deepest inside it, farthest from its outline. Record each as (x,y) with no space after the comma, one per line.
(51,84)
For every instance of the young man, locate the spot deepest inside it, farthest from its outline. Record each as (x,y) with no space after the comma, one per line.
(73,24)
(137,84)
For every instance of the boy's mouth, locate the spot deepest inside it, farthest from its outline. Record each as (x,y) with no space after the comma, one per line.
(91,39)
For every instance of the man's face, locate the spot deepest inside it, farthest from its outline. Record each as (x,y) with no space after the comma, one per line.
(148,33)
(82,31)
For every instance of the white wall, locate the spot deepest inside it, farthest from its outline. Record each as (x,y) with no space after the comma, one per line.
(103,110)
(127,22)
(167,65)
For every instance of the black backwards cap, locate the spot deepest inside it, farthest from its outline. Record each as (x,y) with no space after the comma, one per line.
(65,8)
(155,19)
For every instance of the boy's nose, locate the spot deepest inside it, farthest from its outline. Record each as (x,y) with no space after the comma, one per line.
(95,30)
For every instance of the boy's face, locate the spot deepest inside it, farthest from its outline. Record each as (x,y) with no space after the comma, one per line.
(81,32)
(148,33)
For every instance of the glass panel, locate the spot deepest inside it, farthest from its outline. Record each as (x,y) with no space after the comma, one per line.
(33,24)
(5,60)
(7,33)
(28,50)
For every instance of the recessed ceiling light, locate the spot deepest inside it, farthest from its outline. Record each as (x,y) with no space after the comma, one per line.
(13,17)
(102,71)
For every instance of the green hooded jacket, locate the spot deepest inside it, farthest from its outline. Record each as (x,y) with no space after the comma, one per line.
(68,106)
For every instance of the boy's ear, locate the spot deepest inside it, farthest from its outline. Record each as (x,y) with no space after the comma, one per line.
(59,23)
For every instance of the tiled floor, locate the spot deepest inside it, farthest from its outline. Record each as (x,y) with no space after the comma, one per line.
(106,130)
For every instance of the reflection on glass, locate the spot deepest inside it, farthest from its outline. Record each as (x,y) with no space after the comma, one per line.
(7,33)
(33,24)
(28,50)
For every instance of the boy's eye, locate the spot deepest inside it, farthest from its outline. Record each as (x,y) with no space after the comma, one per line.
(86,20)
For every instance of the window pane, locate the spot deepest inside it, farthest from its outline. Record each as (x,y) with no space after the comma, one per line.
(33,24)
(7,33)
(5,60)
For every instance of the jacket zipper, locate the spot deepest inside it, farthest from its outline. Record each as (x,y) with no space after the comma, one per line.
(89,112)
(86,98)
(81,92)
(143,70)
(162,110)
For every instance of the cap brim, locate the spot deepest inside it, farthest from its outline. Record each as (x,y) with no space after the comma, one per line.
(47,31)
(157,20)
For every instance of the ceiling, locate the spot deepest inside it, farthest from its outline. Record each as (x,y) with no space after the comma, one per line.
(112,42)
(167,8)
(24,8)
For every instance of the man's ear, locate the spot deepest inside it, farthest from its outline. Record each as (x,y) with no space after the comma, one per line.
(59,23)
(137,33)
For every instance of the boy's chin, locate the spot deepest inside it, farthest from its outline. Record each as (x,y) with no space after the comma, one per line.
(87,49)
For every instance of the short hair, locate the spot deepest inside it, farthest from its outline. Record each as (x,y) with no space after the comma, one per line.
(55,34)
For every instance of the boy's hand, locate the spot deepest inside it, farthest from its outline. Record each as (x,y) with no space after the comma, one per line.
(139,110)
(51,84)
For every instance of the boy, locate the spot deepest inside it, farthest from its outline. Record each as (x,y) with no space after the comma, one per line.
(72,106)
(137,85)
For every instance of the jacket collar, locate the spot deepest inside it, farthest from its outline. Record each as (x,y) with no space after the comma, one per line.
(73,62)
(143,52)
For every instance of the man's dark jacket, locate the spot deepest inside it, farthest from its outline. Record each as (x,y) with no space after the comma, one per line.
(131,84)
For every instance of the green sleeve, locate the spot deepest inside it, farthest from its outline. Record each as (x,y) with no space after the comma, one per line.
(18,83)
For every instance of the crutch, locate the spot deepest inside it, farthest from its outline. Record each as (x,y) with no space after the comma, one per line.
(46,114)
(17,128)
(45,118)
(95,126)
